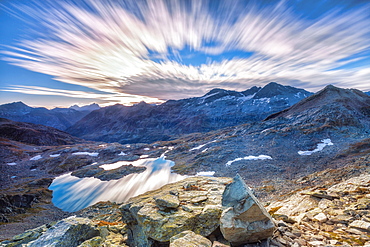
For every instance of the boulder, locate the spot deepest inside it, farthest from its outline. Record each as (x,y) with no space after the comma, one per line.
(189,239)
(244,220)
(69,232)
(193,204)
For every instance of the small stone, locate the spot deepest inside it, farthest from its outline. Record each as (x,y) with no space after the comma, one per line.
(321,195)
(167,201)
(312,213)
(296,232)
(281,223)
(334,242)
(296,244)
(218,244)
(189,239)
(284,218)
(93,242)
(343,219)
(361,225)
(354,231)
(198,199)
(321,217)
(316,243)
(187,209)
(290,235)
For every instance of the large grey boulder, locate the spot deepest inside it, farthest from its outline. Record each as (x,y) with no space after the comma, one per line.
(67,233)
(244,220)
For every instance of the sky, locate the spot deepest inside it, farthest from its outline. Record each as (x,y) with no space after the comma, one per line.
(60,53)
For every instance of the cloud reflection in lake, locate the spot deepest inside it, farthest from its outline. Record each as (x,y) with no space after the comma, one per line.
(71,193)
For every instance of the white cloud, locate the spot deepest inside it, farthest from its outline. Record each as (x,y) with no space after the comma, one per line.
(108,48)
(105,98)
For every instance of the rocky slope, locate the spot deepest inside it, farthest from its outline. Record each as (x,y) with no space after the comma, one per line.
(336,215)
(217,109)
(300,140)
(330,212)
(59,118)
(35,134)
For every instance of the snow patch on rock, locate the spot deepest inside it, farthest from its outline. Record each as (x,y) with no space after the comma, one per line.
(320,146)
(250,157)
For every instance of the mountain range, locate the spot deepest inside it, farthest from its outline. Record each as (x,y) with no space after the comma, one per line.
(217,109)
(284,148)
(60,118)
(298,140)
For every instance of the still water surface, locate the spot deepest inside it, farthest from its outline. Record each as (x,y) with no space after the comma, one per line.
(71,193)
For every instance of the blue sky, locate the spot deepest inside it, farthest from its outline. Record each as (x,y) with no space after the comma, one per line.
(58,53)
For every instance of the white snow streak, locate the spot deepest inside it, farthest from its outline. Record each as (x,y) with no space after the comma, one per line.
(37,157)
(320,146)
(207,174)
(201,146)
(86,153)
(250,157)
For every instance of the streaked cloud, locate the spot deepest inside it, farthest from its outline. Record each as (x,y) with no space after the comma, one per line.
(102,97)
(122,48)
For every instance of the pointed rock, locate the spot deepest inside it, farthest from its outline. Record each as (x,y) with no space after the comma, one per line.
(244,220)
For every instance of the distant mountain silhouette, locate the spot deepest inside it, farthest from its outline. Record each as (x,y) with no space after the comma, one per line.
(60,118)
(217,109)
(88,108)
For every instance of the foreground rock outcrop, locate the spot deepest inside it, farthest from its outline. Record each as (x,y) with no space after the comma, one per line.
(198,204)
(185,213)
(332,214)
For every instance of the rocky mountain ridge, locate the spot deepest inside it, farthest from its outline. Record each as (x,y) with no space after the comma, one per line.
(59,118)
(215,110)
(311,133)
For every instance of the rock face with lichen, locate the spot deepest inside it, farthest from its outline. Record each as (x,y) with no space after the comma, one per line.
(198,205)
(193,204)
